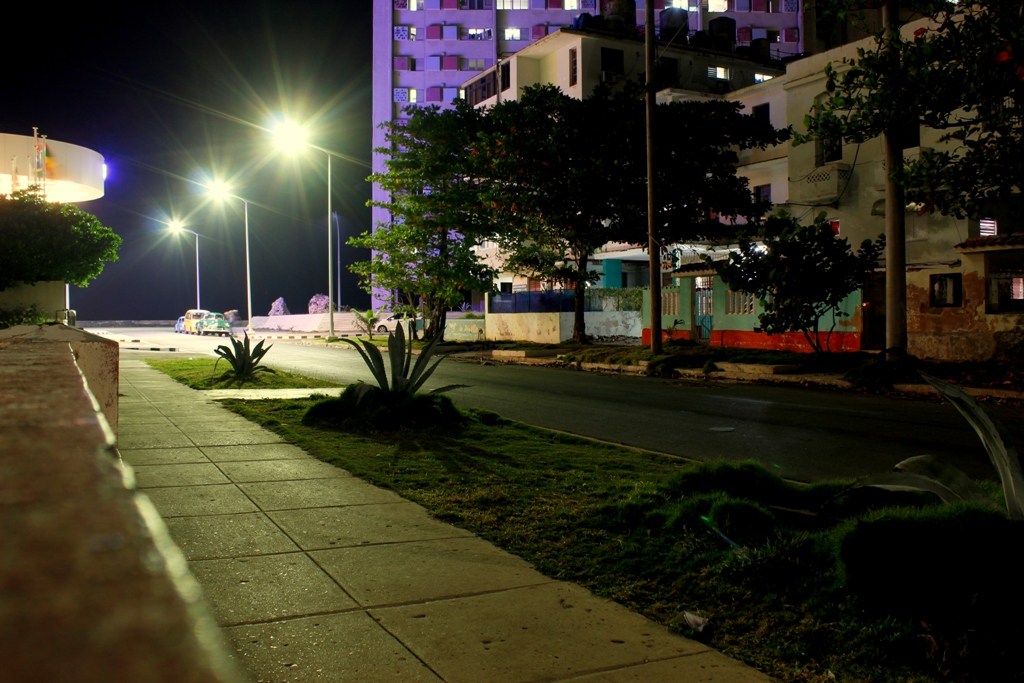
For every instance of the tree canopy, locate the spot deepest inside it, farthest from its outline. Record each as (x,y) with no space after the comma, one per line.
(44,241)
(424,256)
(799,273)
(960,72)
(567,176)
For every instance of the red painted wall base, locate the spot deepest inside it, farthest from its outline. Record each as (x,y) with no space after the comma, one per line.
(840,342)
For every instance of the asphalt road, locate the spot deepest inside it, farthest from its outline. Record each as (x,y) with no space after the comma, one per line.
(804,434)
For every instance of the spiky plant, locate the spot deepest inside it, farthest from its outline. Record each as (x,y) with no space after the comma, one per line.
(243,359)
(406,376)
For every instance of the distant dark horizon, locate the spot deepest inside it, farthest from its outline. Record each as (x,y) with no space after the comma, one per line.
(173,92)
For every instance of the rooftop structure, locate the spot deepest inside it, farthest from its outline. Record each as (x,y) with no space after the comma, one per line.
(63,172)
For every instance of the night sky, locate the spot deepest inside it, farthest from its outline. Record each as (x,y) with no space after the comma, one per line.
(175,92)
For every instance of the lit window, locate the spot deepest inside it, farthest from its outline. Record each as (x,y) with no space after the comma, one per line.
(719,72)
(988,227)
(513,4)
(478,34)
(513,34)
(761,78)
(718,5)
(571,4)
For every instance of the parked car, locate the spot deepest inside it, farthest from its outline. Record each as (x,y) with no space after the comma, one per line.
(392,321)
(179,326)
(192,317)
(213,323)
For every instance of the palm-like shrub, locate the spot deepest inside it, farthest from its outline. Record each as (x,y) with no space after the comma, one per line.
(367,321)
(243,359)
(396,401)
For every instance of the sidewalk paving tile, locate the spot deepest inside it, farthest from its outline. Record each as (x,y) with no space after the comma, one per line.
(312,493)
(190,474)
(703,667)
(327,649)
(189,501)
(546,632)
(243,590)
(162,456)
(150,438)
(280,470)
(425,570)
(354,525)
(221,536)
(262,451)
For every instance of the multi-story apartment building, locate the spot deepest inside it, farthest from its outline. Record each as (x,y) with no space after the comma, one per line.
(424,50)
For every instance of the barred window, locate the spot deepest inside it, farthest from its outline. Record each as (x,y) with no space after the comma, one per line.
(740,303)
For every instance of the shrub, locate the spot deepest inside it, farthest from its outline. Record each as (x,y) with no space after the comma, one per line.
(743,521)
(279,307)
(946,563)
(244,361)
(363,407)
(318,304)
(21,315)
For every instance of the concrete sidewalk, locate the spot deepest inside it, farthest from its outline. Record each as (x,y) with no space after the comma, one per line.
(315,575)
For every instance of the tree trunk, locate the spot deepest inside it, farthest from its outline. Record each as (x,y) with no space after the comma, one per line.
(579,323)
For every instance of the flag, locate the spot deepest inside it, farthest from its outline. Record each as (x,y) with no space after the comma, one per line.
(49,161)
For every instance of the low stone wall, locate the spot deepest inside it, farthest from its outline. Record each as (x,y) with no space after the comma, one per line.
(93,588)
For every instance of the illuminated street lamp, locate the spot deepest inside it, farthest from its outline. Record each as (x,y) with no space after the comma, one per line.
(177,227)
(290,138)
(222,191)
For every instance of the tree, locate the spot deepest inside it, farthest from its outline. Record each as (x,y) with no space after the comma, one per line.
(553,173)
(568,176)
(44,241)
(799,273)
(961,72)
(425,256)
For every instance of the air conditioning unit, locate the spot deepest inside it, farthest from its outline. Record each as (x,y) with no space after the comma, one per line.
(824,184)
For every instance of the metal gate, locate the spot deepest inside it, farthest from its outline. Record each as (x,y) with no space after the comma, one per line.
(702,309)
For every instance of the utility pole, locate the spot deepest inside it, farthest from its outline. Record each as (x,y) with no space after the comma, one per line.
(895,218)
(653,250)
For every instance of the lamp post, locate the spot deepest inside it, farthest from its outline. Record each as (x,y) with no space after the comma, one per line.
(290,137)
(221,190)
(177,226)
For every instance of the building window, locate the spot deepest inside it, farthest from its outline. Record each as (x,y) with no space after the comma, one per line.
(476,4)
(740,303)
(613,61)
(573,66)
(478,34)
(403,33)
(506,76)
(761,113)
(987,227)
(827,149)
(572,4)
(763,193)
(400,95)
(513,4)
(513,34)
(474,64)
(761,78)
(718,6)
(718,72)
(946,290)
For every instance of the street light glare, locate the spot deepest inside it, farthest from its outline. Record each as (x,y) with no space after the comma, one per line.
(290,137)
(176,225)
(219,189)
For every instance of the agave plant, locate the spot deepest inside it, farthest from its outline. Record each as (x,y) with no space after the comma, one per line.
(406,376)
(244,361)
(926,473)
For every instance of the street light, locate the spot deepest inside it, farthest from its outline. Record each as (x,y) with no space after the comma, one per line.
(177,227)
(290,137)
(221,190)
